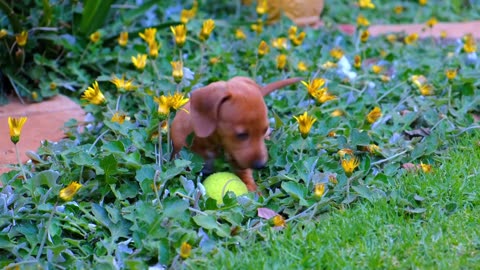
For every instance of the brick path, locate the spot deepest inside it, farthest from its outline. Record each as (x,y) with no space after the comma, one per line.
(45,122)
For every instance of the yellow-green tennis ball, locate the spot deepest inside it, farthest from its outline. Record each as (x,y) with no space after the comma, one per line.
(217,185)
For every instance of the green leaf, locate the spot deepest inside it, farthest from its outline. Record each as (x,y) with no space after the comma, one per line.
(48,178)
(114,147)
(94,15)
(359,137)
(278,120)
(84,159)
(210,223)
(145,172)
(175,207)
(118,229)
(109,165)
(296,190)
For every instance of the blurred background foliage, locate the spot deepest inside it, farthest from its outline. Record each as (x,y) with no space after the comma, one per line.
(56,59)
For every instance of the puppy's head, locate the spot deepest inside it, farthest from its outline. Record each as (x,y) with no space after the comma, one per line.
(236,113)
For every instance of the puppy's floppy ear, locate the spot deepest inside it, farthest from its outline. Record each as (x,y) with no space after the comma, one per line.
(204,107)
(267,89)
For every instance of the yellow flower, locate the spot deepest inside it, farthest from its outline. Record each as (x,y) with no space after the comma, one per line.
(391,38)
(349,165)
(263,48)
(123,39)
(357,61)
(426,90)
(345,151)
(207,29)
(377,69)
(418,80)
(67,193)
(443,34)
(187,14)
(314,86)
(163,105)
(278,221)
(53,86)
(332,178)
(336,53)
(422,2)
(177,101)
(281,61)
(214,60)
(319,189)
(301,66)
(95,37)
(336,113)
(292,32)
(469,45)
(280,43)
(374,114)
(34,95)
(305,123)
(22,38)
(432,22)
(153,48)
(15,125)
(411,38)
(122,84)
(262,7)
(177,70)
(384,78)
(398,9)
(426,168)
(118,118)
(366,4)
(239,34)
(328,65)
(93,94)
(140,61)
(166,103)
(316,90)
(323,97)
(374,149)
(364,36)
(451,74)
(185,250)
(179,34)
(3,33)
(148,35)
(257,27)
(362,21)
(298,40)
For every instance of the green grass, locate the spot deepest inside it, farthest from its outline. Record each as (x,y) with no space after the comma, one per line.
(381,234)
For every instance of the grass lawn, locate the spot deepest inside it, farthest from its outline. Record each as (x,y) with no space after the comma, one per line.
(441,232)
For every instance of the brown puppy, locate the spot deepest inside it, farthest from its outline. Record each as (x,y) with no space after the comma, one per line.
(229,115)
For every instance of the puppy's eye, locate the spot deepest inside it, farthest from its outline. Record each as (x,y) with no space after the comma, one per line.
(242,136)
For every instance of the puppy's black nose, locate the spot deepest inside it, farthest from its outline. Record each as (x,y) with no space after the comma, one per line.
(258,164)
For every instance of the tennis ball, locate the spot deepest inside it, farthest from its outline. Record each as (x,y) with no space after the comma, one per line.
(217,185)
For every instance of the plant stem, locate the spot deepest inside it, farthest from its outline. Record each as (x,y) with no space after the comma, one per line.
(44,238)
(96,140)
(118,102)
(160,150)
(20,163)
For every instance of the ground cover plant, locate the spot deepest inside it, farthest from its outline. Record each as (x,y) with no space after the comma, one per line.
(370,109)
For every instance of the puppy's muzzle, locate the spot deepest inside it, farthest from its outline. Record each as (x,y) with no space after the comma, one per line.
(259,164)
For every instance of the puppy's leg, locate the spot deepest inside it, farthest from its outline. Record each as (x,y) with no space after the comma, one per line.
(247,178)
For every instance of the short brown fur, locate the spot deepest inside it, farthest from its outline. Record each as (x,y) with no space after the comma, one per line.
(229,115)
